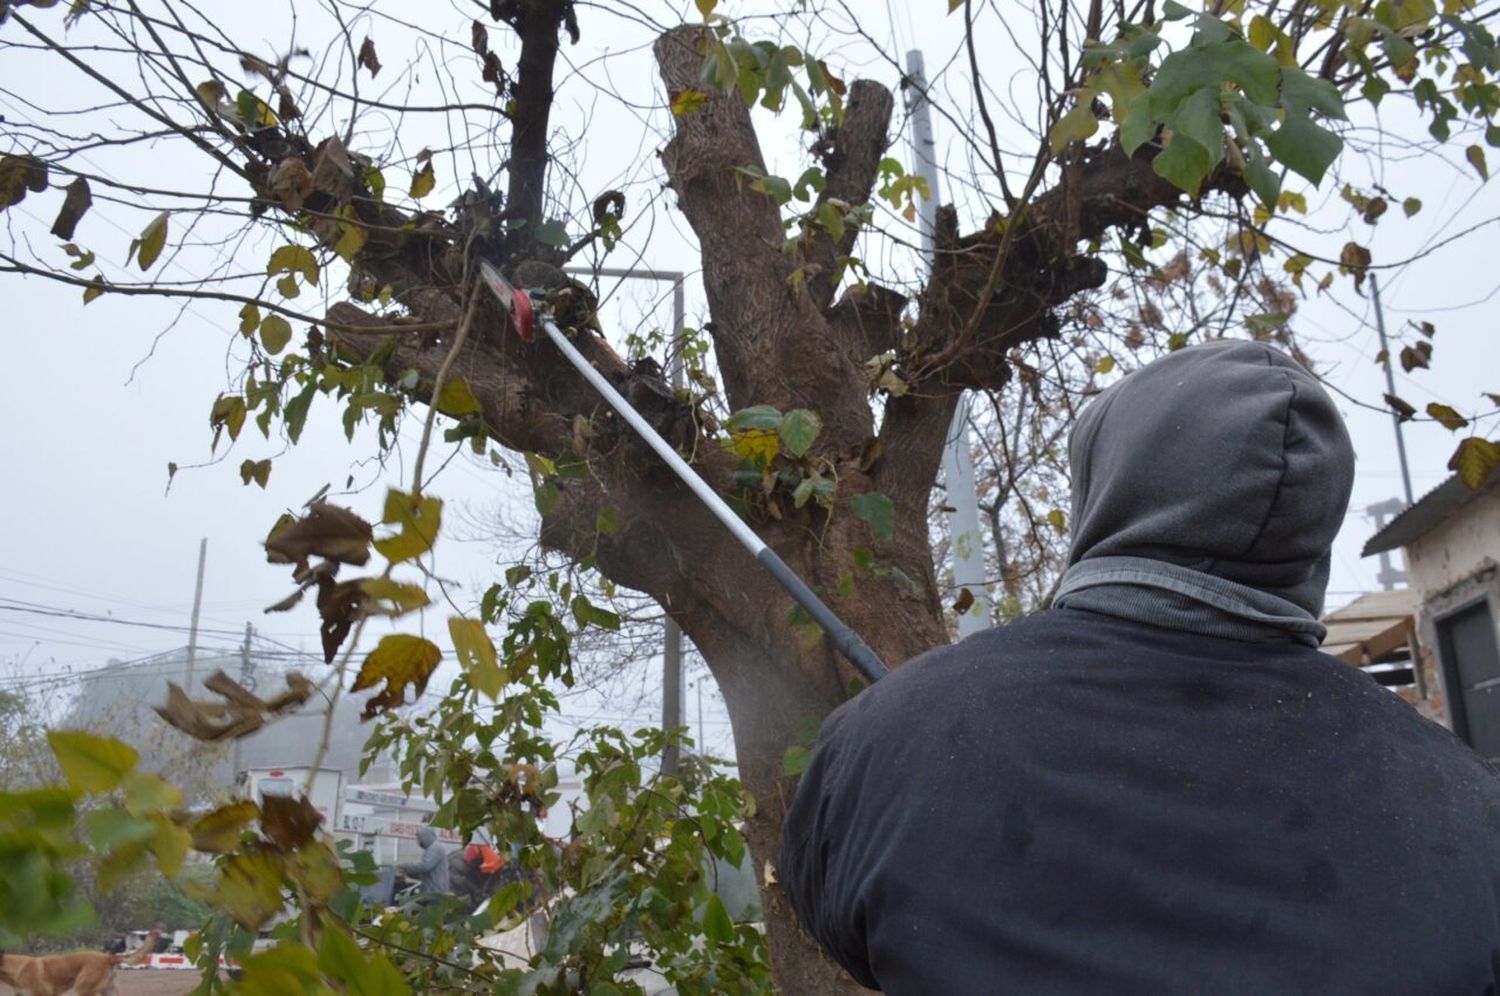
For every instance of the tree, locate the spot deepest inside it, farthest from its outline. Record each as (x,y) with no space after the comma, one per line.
(1150,197)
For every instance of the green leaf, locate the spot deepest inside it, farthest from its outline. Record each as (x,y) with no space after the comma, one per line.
(755,417)
(1304,147)
(1301,94)
(419,519)
(795,760)
(586,613)
(457,399)
(1075,126)
(608,520)
(294,259)
(1475,155)
(1057,520)
(552,233)
(476,655)
(275,333)
(146,793)
(258,471)
(716,923)
(91,763)
(1198,119)
(798,429)
(1184,163)
(876,511)
(111,828)
(1411,206)
(1188,70)
(149,246)
(1137,127)
(1265,181)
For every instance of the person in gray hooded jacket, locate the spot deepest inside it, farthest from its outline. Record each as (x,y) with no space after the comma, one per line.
(1159,785)
(431,869)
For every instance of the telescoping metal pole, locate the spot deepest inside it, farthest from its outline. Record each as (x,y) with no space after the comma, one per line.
(517,305)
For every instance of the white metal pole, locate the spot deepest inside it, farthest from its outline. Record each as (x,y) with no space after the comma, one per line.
(967,541)
(671,657)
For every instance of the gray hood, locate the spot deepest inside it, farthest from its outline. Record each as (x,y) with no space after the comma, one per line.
(425,836)
(1227,459)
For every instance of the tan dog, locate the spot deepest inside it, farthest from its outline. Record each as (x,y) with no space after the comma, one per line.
(87,973)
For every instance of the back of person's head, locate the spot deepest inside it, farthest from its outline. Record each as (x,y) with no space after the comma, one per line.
(426,836)
(1228,458)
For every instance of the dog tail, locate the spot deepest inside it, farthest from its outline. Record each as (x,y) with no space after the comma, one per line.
(139,954)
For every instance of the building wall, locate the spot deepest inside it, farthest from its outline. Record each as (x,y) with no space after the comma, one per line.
(1457,549)
(1451,568)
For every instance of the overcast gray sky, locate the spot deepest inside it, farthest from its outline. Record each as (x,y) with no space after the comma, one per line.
(99,399)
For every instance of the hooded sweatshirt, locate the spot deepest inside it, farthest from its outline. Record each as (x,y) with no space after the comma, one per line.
(1159,786)
(431,869)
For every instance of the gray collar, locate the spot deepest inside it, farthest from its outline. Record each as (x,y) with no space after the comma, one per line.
(1163,594)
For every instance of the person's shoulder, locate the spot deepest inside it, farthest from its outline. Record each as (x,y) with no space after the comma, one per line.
(946,677)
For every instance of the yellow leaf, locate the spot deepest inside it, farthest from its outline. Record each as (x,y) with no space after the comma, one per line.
(423,181)
(249,319)
(419,519)
(275,333)
(92,764)
(294,259)
(249,888)
(170,845)
(146,793)
(150,244)
(399,660)
(458,400)
(404,597)
(759,446)
(352,236)
(476,653)
(1074,126)
(688,100)
(218,832)
(1474,461)
(1445,414)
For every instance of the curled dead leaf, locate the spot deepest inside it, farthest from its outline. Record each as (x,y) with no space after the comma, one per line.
(291,182)
(327,531)
(242,712)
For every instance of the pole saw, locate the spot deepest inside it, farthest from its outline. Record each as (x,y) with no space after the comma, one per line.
(523,317)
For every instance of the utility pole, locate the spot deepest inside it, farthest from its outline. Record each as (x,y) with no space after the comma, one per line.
(671,658)
(192,647)
(1389,576)
(958,463)
(247,680)
(1390,387)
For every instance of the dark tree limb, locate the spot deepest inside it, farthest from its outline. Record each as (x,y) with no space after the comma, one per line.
(851,166)
(538,23)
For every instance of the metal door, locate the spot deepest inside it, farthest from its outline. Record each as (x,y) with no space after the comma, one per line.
(1471,662)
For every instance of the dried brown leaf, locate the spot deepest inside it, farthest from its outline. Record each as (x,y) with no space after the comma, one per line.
(289,821)
(325,531)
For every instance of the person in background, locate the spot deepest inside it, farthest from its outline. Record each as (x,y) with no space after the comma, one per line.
(430,870)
